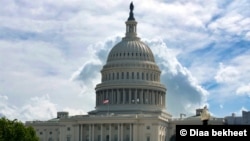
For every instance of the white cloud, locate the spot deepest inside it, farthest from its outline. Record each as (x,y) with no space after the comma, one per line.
(232,76)
(184,91)
(227,74)
(248,36)
(38,107)
(73,111)
(245,89)
(35,108)
(7,109)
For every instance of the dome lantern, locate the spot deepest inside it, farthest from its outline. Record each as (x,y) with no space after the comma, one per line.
(131,24)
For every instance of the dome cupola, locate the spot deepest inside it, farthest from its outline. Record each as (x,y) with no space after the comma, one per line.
(131,47)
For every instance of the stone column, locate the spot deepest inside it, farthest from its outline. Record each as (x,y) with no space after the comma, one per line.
(119,132)
(93,132)
(131,132)
(160,98)
(163,99)
(152,97)
(147,97)
(124,96)
(90,132)
(135,132)
(101,132)
(101,97)
(157,98)
(113,96)
(80,132)
(96,97)
(135,96)
(141,96)
(129,96)
(118,96)
(110,132)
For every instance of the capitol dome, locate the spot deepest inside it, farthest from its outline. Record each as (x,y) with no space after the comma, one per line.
(131,49)
(130,81)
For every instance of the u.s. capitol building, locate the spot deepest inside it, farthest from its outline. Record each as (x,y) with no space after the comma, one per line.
(130,100)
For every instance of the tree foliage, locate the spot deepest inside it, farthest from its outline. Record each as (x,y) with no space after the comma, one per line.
(14,130)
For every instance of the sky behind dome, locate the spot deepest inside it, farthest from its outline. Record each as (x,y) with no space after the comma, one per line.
(51,53)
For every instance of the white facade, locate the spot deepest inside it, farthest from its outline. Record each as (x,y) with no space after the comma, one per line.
(136,101)
(130,127)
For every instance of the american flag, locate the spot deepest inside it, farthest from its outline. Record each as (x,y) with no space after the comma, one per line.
(105,101)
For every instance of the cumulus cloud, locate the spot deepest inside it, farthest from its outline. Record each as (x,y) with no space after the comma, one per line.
(39,107)
(6,109)
(227,74)
(73,111)
(243,90)
(36,107)
(184,93)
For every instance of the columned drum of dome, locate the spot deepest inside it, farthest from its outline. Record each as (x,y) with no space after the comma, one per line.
(130,78)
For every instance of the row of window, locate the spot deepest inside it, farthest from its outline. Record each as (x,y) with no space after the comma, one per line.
(116,127)
(107,128)
(68,129)
(131,75)
(130,54)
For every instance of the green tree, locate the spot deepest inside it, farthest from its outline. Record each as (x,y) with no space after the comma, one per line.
(14,130)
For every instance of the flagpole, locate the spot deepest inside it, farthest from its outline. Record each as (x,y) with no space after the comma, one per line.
(106,102)
(108,108)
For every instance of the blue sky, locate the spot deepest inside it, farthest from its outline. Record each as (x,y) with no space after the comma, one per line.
(51,53)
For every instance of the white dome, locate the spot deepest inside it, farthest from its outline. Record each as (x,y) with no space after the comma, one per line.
(129,49)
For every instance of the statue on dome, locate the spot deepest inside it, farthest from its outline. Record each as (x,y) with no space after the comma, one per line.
(131,14)
(205,115)
(131,6)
